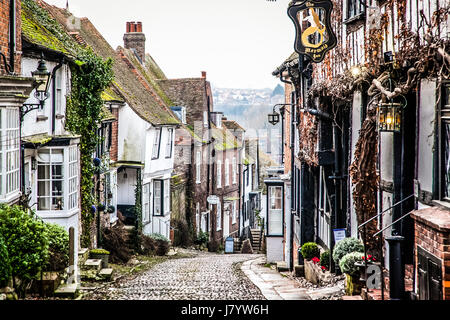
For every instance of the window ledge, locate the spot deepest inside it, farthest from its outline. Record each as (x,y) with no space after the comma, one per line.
(441,203)
(57,214)
(358,17)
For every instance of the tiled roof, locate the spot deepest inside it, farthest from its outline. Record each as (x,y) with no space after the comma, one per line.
(232,125)
(40,29)
(289,62)
(144,101)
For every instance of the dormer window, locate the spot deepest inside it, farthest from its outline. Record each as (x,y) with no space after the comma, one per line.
(180,112)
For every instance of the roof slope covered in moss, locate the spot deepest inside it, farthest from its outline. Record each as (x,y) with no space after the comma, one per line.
(144,101)
(39,28)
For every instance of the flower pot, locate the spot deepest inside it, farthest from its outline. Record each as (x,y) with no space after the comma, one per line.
(353,284)
(103,257)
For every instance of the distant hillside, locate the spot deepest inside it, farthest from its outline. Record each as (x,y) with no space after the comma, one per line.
(250,108)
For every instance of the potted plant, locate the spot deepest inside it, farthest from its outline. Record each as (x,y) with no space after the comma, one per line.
(100,254)
(349,265)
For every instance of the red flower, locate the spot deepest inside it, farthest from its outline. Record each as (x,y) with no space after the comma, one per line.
(324,268)
(315,260)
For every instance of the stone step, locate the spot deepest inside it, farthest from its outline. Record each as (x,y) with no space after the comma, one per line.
(106,274)
(282,266)
(83,255)
(67,291)
(92,264)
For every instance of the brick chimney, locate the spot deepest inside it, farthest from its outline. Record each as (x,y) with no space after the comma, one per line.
(134,38)
(204,74)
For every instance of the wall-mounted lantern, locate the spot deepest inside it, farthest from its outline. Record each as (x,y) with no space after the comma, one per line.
(274,118)
(390,117)
(41,79)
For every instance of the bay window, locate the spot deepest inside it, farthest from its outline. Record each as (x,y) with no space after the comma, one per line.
(57,179)
(11,150)
(50,180)
(445,146)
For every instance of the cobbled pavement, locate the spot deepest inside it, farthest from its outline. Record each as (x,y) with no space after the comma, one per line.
(205,276)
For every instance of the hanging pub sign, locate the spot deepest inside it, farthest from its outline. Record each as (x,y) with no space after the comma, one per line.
(314,35)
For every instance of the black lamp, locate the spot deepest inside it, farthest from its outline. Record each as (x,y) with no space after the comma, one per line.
(390,117)
(274,118)
(42,79)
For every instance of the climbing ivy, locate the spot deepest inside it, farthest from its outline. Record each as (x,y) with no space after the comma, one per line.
(91,75)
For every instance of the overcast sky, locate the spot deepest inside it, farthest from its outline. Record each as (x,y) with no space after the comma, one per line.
(238,42)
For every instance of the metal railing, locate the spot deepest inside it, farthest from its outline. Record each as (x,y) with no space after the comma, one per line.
(364,234)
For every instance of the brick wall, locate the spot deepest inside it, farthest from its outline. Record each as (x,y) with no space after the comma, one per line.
(4,35)
(432,232)
(114,152)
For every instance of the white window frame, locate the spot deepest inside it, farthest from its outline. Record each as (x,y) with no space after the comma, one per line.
(273,209)
(156,144)
(219,174)
(157,200)
(169,148)
(198,166)
(234,217)
(197,217)
(146,202)
(166,201)
(227,172)
(52,179)
(205,119)
(219,217)
(11,151)
(73,178)
(234,170)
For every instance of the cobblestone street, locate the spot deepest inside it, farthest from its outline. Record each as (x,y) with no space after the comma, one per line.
(205,276)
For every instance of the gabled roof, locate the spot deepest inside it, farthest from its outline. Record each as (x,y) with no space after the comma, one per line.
(188,92)
(232,125)
(224,139)
(145,101)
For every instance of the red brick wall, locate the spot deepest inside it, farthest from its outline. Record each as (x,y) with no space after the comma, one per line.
(4,35)
(437,243)
(114,153)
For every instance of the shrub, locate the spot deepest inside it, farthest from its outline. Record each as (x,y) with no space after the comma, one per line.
(148,245)
(27,244)
(347,263)
(99,251)
(345,247)
(162,244)
(310,250)
(115,241)
(325,260)
(5,266)
(58,258)
(202,239)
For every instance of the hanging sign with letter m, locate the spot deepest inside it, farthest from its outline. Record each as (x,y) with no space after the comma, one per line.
(314,35)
